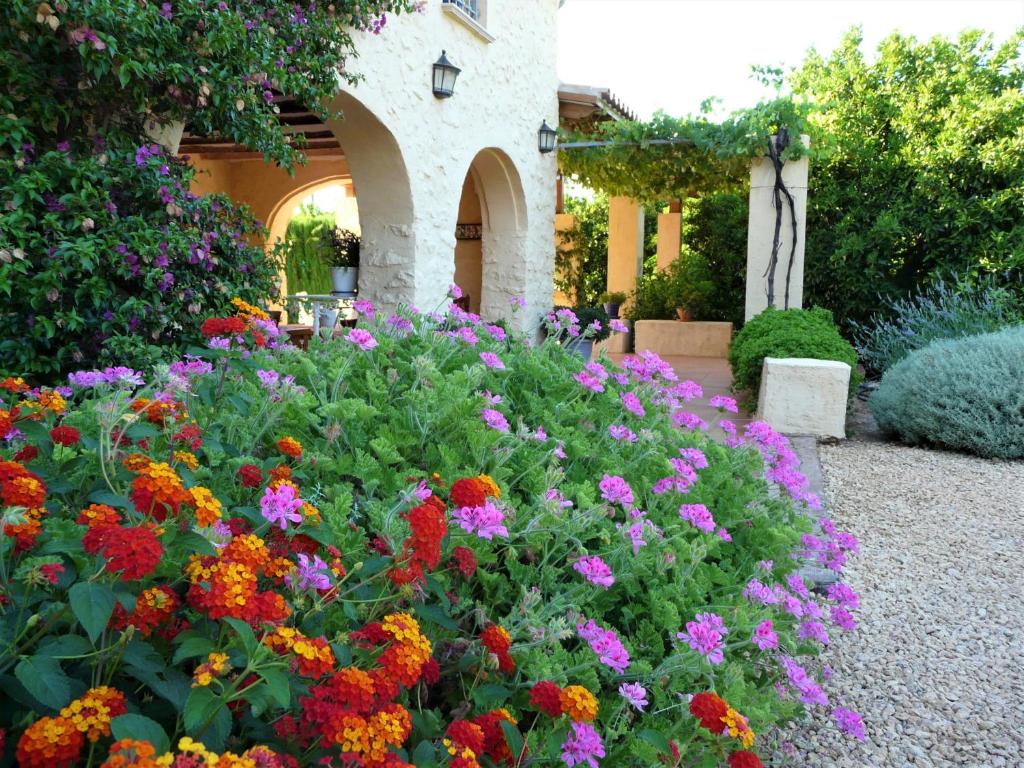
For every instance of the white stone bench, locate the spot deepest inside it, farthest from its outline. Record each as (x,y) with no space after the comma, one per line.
(801,396)
(696,338)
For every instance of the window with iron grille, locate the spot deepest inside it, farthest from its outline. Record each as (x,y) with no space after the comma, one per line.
(470,7)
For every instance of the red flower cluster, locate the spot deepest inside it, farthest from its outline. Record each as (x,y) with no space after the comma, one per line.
(222,326)
(465,742)
(710,709)
(495,745)
(465,561)
(157,490)
(289,446)
(134,551)
(421,550)
(65,435)
(496,640)
(19,487)
(158,412)
(189,434)
(744,759)
(547,697)
(473,491)
(250,476)
(154,608)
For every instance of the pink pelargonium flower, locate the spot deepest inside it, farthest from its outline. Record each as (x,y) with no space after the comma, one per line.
(616,490)
(364,308)
(622,432)
(454,291)
(632,404)
(764,636)
(698,516)
(606,644)
(281,506)
(595,570)
(494,419)
(724,403)
(589,381)
(582,746)
(486,521)
(491,360)
(309,573)
(362,339)
(635,694)
(705,634)
(849,722)
(618,326)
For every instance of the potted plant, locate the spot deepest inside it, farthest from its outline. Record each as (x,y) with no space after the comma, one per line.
(612,300)
(344,260)
(581,344)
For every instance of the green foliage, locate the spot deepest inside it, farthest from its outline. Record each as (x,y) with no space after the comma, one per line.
(919,169)
(612,297)
(963,394)
(940,311)
(308,252)
(373,425)
(73,68)
(581,260)
(684,283)
(715,239)
(702,156)
(809,333)
(106,259)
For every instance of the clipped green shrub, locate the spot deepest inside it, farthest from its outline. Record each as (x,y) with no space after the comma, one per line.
(808,333)
(944,310)
(308,259)
(963,394)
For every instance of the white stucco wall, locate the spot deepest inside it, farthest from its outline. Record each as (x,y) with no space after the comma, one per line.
(506,88)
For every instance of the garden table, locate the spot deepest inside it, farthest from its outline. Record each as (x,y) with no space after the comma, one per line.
(320,301)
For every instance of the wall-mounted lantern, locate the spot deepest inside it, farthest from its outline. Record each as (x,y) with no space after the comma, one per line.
(445,74)
(546,138)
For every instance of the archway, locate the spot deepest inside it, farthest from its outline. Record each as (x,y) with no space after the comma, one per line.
(490,251)
(387,253)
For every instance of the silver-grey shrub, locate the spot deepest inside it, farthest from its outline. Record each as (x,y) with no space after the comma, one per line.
(944,310)
(965,394)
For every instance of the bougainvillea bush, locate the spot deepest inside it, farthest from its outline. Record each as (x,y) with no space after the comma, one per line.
(107,258)
(424,543)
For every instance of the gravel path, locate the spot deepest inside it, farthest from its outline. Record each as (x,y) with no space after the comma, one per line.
(936,664)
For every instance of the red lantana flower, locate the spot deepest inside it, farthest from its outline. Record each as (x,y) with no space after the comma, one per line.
(222,326)
(744,760)
(65,435)
(465,561)
(467,734)
(135,552)
(26,453)
(250,476)
(710,709)
(547,697)
(468,492)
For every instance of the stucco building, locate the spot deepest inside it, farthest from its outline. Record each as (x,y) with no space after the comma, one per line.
(421,168)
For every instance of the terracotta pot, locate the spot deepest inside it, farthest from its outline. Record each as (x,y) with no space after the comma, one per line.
(683,314)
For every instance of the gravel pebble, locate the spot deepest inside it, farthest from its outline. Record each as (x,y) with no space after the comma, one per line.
(936,664)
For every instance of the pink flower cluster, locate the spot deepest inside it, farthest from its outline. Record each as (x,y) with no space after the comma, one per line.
(606,644)
(705,635)
(486,521)
(616,490)
(595,570)
(698,516)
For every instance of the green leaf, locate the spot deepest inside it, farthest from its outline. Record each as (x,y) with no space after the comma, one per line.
(43,677)
(201,705)
(110,499)
(656,739)
(92,605)
(435,614)
(142,728)
(244,631)
(424,755)
(491,695)
(513,738)
(277,682)
(64,646)
(192,647)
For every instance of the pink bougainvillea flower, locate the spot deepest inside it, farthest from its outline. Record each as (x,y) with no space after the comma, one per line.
(362,339)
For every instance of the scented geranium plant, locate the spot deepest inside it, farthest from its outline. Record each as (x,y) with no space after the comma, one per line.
(424,543)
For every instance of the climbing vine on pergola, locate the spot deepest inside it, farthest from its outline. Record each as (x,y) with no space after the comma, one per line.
(672,158)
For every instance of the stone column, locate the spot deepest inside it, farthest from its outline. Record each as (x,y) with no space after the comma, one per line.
(625,243)
(761,231)
(670,236)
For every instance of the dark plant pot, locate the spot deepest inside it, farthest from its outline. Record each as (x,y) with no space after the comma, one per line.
(612,310)
(683,314)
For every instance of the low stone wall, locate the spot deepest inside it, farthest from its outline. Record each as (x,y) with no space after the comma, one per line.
(694,338)
(800,396)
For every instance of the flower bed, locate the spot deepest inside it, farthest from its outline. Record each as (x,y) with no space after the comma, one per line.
(425,543)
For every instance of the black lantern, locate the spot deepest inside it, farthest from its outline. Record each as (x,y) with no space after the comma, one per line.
(444,77)
(546,137)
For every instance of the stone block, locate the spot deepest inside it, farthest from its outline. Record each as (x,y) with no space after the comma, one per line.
(693,339)
(800,396)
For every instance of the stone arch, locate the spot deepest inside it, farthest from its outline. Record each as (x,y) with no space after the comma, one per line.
(277,220)
(503,219)
(378,168)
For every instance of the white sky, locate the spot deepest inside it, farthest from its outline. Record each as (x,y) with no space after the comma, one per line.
(672,54)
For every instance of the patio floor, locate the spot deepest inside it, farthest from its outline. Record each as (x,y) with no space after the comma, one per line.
(715,378)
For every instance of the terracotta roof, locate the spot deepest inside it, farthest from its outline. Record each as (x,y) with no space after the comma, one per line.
(587,102)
